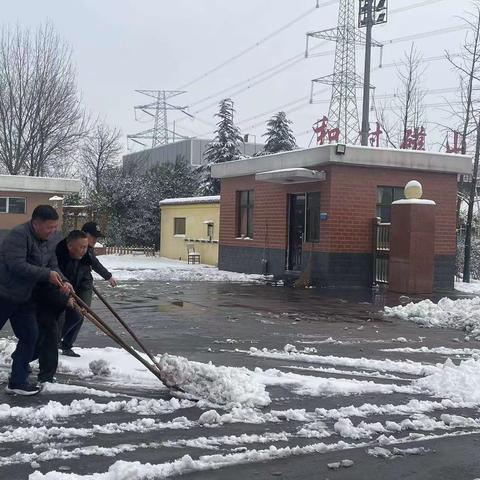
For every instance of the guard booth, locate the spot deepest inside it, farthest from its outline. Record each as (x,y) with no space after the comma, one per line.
(313,209)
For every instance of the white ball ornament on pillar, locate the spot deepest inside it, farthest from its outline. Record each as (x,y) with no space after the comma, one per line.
(413,190)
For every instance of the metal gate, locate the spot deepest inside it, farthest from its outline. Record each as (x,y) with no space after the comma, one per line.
(381,251)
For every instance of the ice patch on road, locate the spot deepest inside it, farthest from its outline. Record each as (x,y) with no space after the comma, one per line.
(219,385)
(462,314)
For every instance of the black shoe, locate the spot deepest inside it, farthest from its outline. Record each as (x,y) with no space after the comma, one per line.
(70,353)
(47,380)
(26,389)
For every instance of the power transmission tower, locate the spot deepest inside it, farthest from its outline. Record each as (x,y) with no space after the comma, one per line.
(343,111)
(160,133)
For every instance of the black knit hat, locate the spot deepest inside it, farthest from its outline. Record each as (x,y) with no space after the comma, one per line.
(91,228)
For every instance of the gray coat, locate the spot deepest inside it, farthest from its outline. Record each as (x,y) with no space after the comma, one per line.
(25,260)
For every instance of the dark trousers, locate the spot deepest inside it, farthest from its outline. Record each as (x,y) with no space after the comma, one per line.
(47,345)
(50,306)
(24,324)
(71,327)
(74,321)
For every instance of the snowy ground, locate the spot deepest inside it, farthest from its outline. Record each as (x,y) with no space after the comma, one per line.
(302,384)
(473,287)
(139,267)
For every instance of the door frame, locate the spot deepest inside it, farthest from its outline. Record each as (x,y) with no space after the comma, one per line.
(289,211)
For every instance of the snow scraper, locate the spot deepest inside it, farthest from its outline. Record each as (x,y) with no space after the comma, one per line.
(153,367)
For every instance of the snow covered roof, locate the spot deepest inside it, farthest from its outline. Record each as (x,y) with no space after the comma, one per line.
(191,200)
(21,183)
(354,155)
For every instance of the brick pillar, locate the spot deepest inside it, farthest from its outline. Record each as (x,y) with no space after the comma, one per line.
(412,246)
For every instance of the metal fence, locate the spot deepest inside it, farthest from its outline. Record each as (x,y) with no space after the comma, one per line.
(381,251)
(116,250)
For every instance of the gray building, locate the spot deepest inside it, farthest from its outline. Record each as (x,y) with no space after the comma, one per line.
(191,150)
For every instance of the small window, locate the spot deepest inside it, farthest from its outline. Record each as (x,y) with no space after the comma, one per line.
(179,226)
(16,205)
(245,213)
(210,231)
(313,217)
(13,205)
(385,197)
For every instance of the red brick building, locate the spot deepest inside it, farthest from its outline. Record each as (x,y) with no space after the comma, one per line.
(278,210)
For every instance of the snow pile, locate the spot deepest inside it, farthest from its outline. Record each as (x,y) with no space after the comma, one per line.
(219,385)
(462,314)
(123,470)
(136,267)
(459,383)
(100,367)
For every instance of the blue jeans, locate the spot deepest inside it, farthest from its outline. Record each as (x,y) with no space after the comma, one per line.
(24,324)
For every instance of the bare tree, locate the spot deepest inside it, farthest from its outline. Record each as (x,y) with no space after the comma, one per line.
(41,117)
(99,153)
(407,107)
(468,67)
(471,204)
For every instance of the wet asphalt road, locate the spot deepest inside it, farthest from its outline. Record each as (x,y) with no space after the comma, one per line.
(195,320)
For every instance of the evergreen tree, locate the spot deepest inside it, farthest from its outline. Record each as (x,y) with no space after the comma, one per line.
(279,135)
(130,201)
(225,147)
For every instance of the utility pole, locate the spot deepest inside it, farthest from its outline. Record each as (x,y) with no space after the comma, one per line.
(372,12)
(343,111)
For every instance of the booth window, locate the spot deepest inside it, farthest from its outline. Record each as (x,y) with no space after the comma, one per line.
(245,213)
(179,226)
(385,197)
(13,205)
(313,217)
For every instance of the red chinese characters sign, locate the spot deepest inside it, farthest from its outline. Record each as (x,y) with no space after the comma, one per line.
(456,147)
(331,135)
(374,137)
(414,139)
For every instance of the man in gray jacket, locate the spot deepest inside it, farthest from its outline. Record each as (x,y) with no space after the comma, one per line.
(27,259)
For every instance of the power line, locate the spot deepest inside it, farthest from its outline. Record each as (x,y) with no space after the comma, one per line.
(291,61)
(255,45)
(415,5)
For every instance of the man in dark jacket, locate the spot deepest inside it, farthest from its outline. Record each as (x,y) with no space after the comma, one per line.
(27,259)
(93,234)
(76,262)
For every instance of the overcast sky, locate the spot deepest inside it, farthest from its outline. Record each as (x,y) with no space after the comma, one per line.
(123,45)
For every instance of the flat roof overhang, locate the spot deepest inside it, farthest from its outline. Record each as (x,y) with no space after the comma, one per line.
(291,176)
(26,184)
(354,156)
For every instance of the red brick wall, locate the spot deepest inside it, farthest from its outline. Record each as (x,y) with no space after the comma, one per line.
(271,207)
(353,204)
(348,196)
